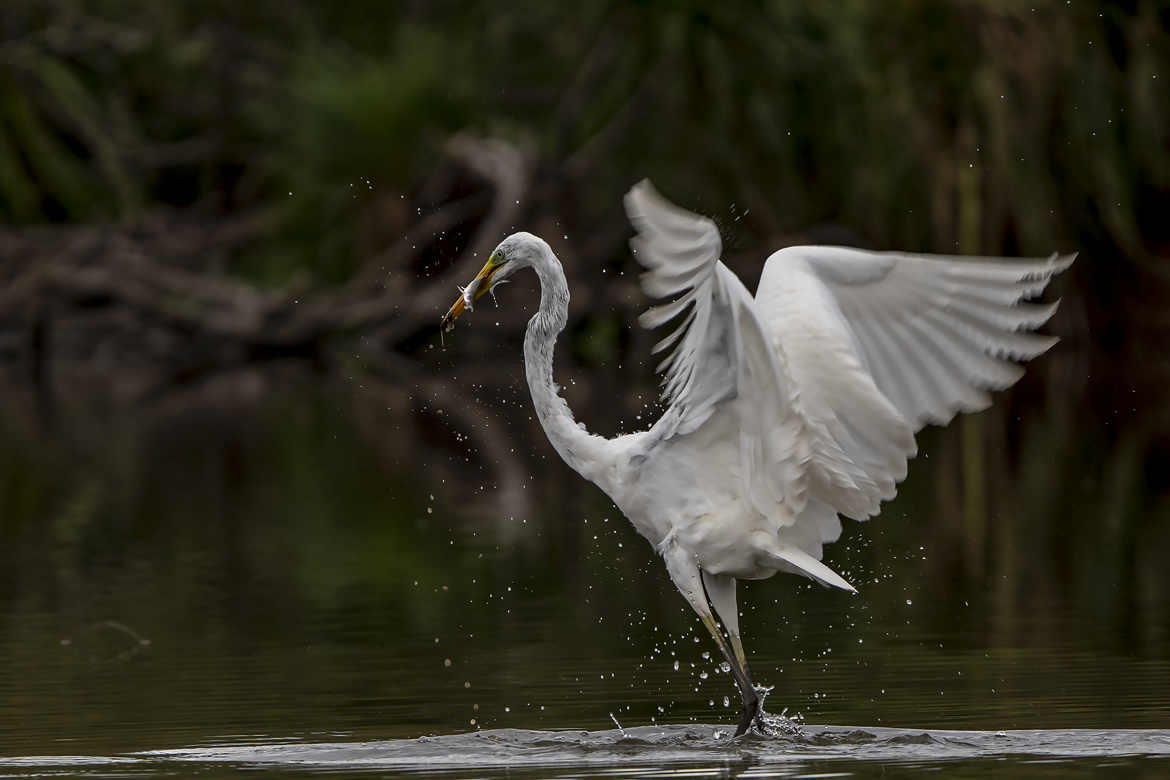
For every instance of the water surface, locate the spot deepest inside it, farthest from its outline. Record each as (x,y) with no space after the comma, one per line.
(315,582)
(691,750)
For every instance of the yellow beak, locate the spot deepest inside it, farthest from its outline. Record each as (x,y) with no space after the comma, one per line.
(479,285)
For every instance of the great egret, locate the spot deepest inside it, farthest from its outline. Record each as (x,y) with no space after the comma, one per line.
(784,410)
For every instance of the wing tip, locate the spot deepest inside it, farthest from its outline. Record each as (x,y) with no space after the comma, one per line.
(1061,262)
(638,197)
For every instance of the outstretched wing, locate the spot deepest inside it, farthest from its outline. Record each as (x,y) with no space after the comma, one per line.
(719,351)
(879,344)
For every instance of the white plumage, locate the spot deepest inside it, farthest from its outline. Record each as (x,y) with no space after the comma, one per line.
(786,409)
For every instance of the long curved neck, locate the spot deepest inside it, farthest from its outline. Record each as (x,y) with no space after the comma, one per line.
(584,452)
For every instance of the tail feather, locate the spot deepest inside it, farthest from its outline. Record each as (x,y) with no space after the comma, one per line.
(795,558)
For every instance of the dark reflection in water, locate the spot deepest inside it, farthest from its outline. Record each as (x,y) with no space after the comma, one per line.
(317,564)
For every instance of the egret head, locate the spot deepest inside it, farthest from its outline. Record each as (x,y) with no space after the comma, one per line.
(519,250)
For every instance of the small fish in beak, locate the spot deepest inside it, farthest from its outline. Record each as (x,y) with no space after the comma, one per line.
(481,284)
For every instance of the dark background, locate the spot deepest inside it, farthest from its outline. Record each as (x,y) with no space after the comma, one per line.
(244,486)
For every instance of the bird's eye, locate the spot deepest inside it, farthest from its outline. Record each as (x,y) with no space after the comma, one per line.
(498,258)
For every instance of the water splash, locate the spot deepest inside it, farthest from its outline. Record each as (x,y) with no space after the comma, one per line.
(770,725)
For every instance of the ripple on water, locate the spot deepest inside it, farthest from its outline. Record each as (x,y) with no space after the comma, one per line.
(639,748)
(666,744)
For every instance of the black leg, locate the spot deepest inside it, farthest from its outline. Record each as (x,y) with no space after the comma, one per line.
(686,576)
(747,691)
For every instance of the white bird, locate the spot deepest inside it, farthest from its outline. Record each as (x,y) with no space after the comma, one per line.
(785,410)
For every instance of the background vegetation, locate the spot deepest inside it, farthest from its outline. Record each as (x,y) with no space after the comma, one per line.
(213,210)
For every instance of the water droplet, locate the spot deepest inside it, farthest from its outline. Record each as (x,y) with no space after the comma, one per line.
(726,702)
(676,666)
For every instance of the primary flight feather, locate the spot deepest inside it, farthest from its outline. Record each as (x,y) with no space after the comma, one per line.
(787,409)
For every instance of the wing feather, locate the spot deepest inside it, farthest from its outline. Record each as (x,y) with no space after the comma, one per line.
(921,336)
(838,360)
(680,252)
(719,351)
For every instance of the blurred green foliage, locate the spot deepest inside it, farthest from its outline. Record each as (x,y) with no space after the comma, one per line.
(362,122)
(847,112)
(57,160)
